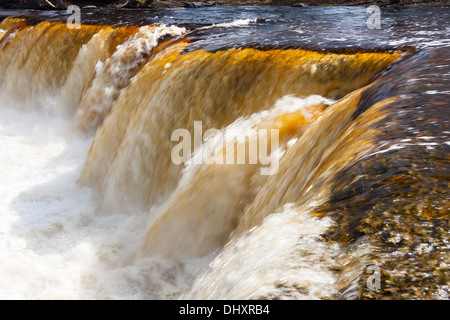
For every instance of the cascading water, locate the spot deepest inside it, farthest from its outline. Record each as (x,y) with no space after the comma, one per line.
(94,207)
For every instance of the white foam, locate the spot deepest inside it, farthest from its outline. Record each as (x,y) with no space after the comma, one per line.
(283,258)
(53,242)
(235,23)
(113,74)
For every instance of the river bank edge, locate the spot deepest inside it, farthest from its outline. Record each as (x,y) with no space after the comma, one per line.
(164,4)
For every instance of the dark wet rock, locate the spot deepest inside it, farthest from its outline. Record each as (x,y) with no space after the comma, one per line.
(393,220)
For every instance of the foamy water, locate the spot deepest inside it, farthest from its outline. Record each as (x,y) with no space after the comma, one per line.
(284,258)
(56,244)
(42,208)
(235,23)
(53,242)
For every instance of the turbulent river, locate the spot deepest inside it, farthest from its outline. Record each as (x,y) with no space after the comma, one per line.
(99,199)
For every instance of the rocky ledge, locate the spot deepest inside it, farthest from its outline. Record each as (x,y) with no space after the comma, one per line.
(159,4)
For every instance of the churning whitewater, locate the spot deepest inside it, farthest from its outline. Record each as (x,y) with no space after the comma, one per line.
(98,201)
(56,244)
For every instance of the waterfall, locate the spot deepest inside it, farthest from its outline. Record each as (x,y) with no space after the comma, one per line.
(355,178)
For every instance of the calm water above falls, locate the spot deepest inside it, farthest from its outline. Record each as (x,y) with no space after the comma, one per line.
(93,207)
